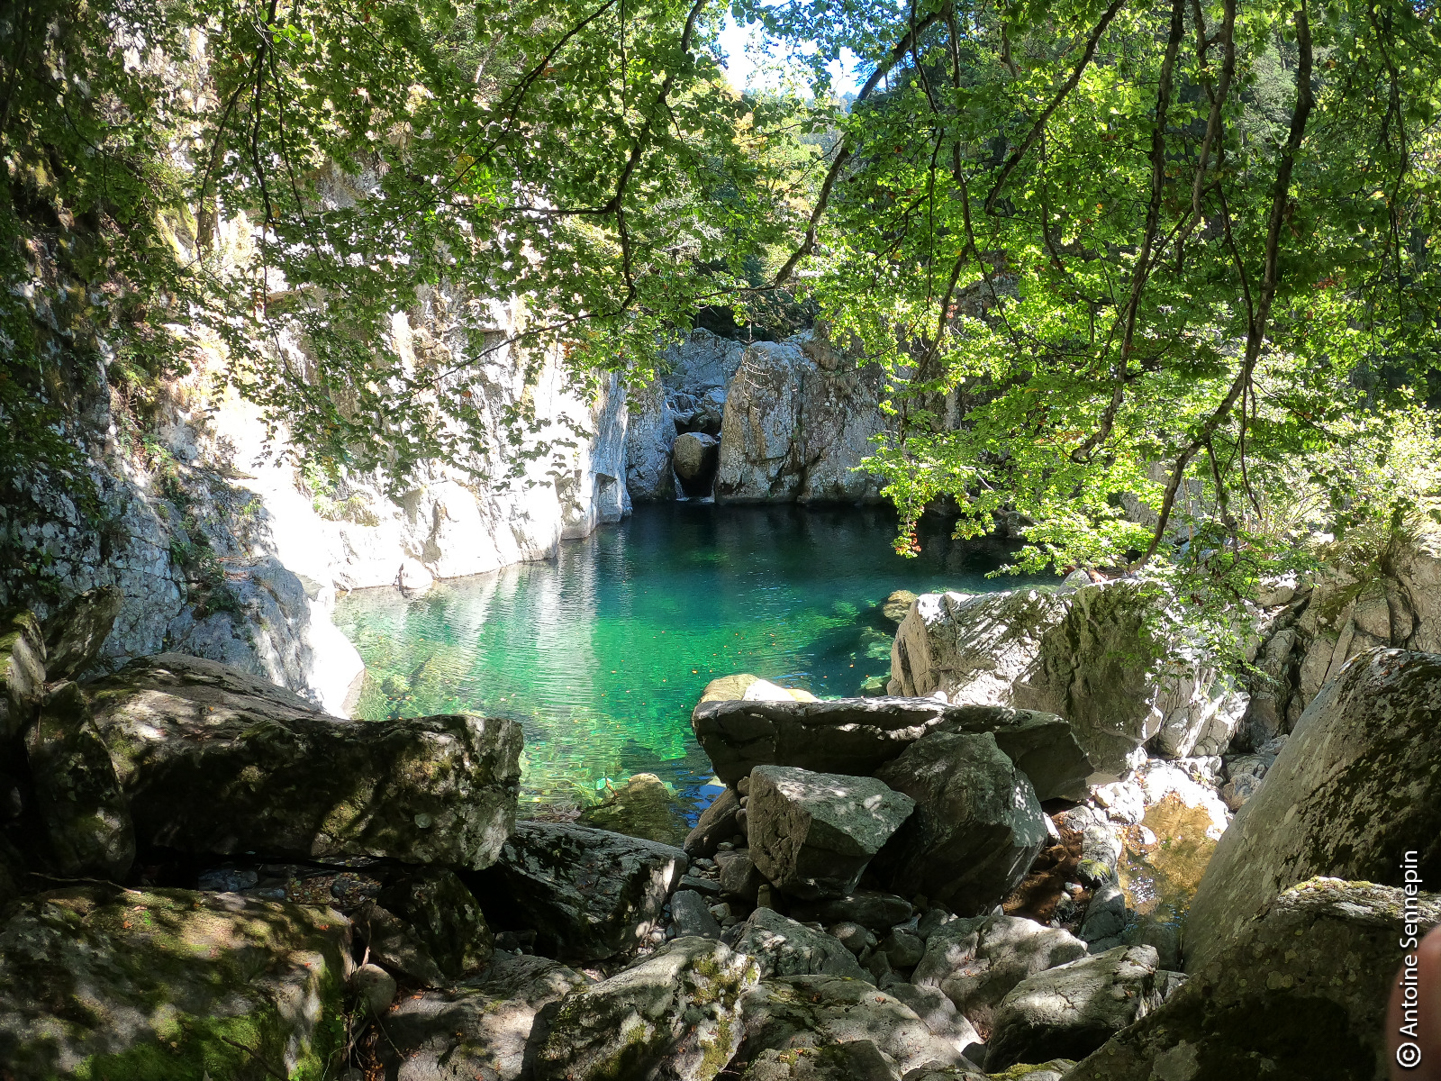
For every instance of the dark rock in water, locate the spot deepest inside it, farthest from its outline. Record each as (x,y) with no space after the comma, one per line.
(98,981)
(1357,784)
(977,962)
(784,947)
(673,1014)
(1070,1010)
(692,916)
(22,671)
(1300,993)
(75,634)
(213,760)
(642,807)
(853,1060)
(856,736)
(717,823)
(489,1029)
(79,797)
(445,917)
(812,834)
(587,893)
(869,908)
(977,825)
(795,1012)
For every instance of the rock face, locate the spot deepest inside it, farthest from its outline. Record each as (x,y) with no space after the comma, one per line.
(694,457)
(212,760)
(977,962)
(1357,785)
(649,434)
(1300,993)
(859,735)
(488,1030)
(672,1015)
(1069,1011)
(977,825)
(784,947)
(1091,655)
(812,834)
(97,981)
(794,429)
(589,894)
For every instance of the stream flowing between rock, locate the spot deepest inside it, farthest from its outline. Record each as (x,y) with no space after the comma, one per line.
(602,652)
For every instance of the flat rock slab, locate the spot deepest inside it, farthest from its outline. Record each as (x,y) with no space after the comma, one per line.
(488,1030)
(212,760)
(812,834)
(98,981)
(672,1015)
(588,894)
(784,947)
(1300,993)
(857,736)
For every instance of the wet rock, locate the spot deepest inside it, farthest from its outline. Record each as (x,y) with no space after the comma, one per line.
(75,634)
(22,670)
(977,962)
(1299,993)
(977,826)
(692,916)
(870,908)
(1071,1010)
(212,760)
(589,894)
(717,823)
(812,834)
(673,1014)
(784,947)
(794,1012)
(854,1060)
(1356,784)
(445,917)
(86,815)
(488,1029)
(172,982)
(642,807)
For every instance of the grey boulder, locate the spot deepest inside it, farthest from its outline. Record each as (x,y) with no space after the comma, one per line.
(783,947)
(853,1060)
(75,634)
(692,916)
(977,826)
(812,834)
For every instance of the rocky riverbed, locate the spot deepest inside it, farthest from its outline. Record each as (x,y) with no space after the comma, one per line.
(988,873)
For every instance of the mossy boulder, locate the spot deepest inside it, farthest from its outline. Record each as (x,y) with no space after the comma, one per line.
(212,760)
(445,916)
(642,807)
(22,672)
(106,984)
(674,1014)
(1300,993)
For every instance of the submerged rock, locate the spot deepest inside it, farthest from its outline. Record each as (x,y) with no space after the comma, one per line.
(1357,785)
(812,834)
(99,981)
(642,807)
(672,1015)
(589,894)
(212,760)
(1299,993)
(897,605)
(695,455)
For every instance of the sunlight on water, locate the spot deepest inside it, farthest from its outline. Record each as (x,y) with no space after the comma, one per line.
(602,653)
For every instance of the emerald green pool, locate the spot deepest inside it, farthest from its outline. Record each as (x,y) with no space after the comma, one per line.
(602,653)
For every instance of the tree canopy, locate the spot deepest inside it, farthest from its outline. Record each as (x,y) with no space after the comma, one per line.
(1158,280)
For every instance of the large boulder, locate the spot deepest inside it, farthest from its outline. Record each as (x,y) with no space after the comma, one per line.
(977,826)
(977,962)
(444,916)
(852,1060)
(1355,788)
(86,814)
(784,947)
(1107,658)
(489,1029)
(99,981)
(587,893)
(796,429)
(1070,1010)
(694,456)
(859,735)
(812,834)
(213,760)
(795,1012)
(75,634)
(1299,993)
(672,1015)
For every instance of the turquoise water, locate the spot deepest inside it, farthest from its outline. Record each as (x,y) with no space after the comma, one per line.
(602,653)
